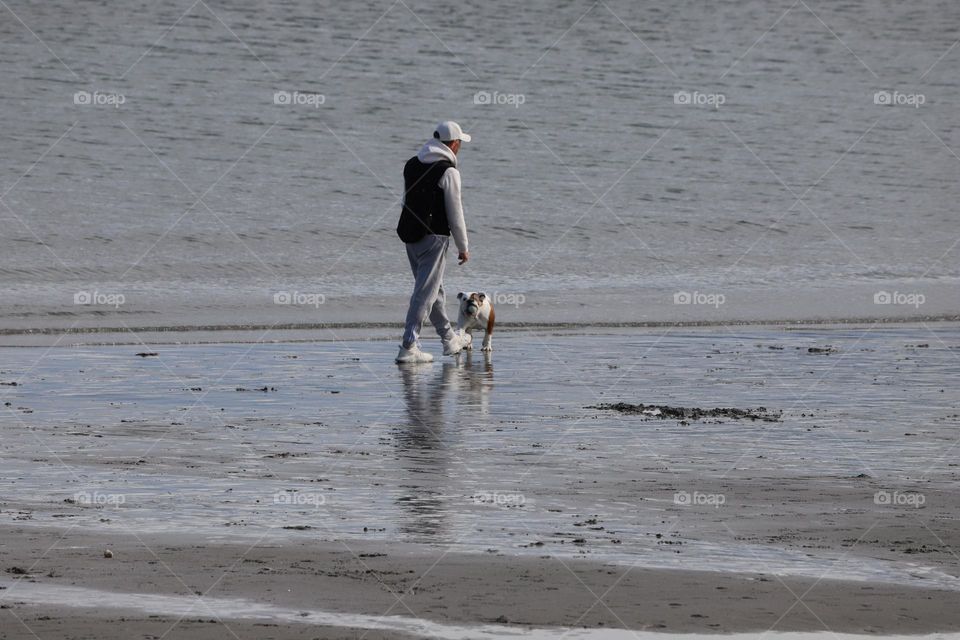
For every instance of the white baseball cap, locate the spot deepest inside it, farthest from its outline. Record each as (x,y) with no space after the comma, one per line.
(448,130)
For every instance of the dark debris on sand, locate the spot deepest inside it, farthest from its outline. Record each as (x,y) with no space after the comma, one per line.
(665,412)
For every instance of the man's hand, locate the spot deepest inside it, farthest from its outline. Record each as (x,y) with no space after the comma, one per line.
(463,256)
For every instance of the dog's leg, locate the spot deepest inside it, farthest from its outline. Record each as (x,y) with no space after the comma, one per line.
(469,330)
(488,334)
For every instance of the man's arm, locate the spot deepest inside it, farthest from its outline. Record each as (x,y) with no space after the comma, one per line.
(450,183)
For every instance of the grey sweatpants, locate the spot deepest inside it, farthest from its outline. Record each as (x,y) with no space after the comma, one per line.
(427,257)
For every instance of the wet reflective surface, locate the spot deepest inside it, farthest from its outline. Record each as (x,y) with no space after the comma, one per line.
(501,453)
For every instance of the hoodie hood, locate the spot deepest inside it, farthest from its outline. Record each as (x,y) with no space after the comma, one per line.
(433,151)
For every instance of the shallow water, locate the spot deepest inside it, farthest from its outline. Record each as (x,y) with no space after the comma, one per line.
(491,453)
(106,199)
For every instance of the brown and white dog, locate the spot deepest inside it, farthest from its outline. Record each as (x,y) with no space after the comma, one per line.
(476,311)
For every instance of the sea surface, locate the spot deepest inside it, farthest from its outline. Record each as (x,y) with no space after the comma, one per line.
(170,164)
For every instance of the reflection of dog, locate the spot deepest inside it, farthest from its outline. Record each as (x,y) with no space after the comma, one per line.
(476,311)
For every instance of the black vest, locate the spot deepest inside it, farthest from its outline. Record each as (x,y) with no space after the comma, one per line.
(424,211)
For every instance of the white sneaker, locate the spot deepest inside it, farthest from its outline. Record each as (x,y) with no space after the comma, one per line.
(457,343)
(413,354)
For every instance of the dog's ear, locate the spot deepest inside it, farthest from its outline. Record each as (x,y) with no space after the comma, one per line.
(481,296)
(461,295)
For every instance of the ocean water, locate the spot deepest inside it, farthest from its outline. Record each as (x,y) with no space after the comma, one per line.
(623,153)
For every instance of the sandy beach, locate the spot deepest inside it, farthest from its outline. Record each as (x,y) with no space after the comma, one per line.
(226,587)
(316,490)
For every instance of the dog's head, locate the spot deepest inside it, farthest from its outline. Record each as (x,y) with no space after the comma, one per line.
(471,302)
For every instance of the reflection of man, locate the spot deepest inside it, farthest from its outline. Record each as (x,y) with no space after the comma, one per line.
(432,211)
(422,448)
(425,410)
(423,443)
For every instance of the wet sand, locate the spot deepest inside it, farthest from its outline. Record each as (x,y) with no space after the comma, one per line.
(465,590)
(321,478)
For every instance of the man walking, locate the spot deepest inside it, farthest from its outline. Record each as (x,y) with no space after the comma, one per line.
(432,211)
